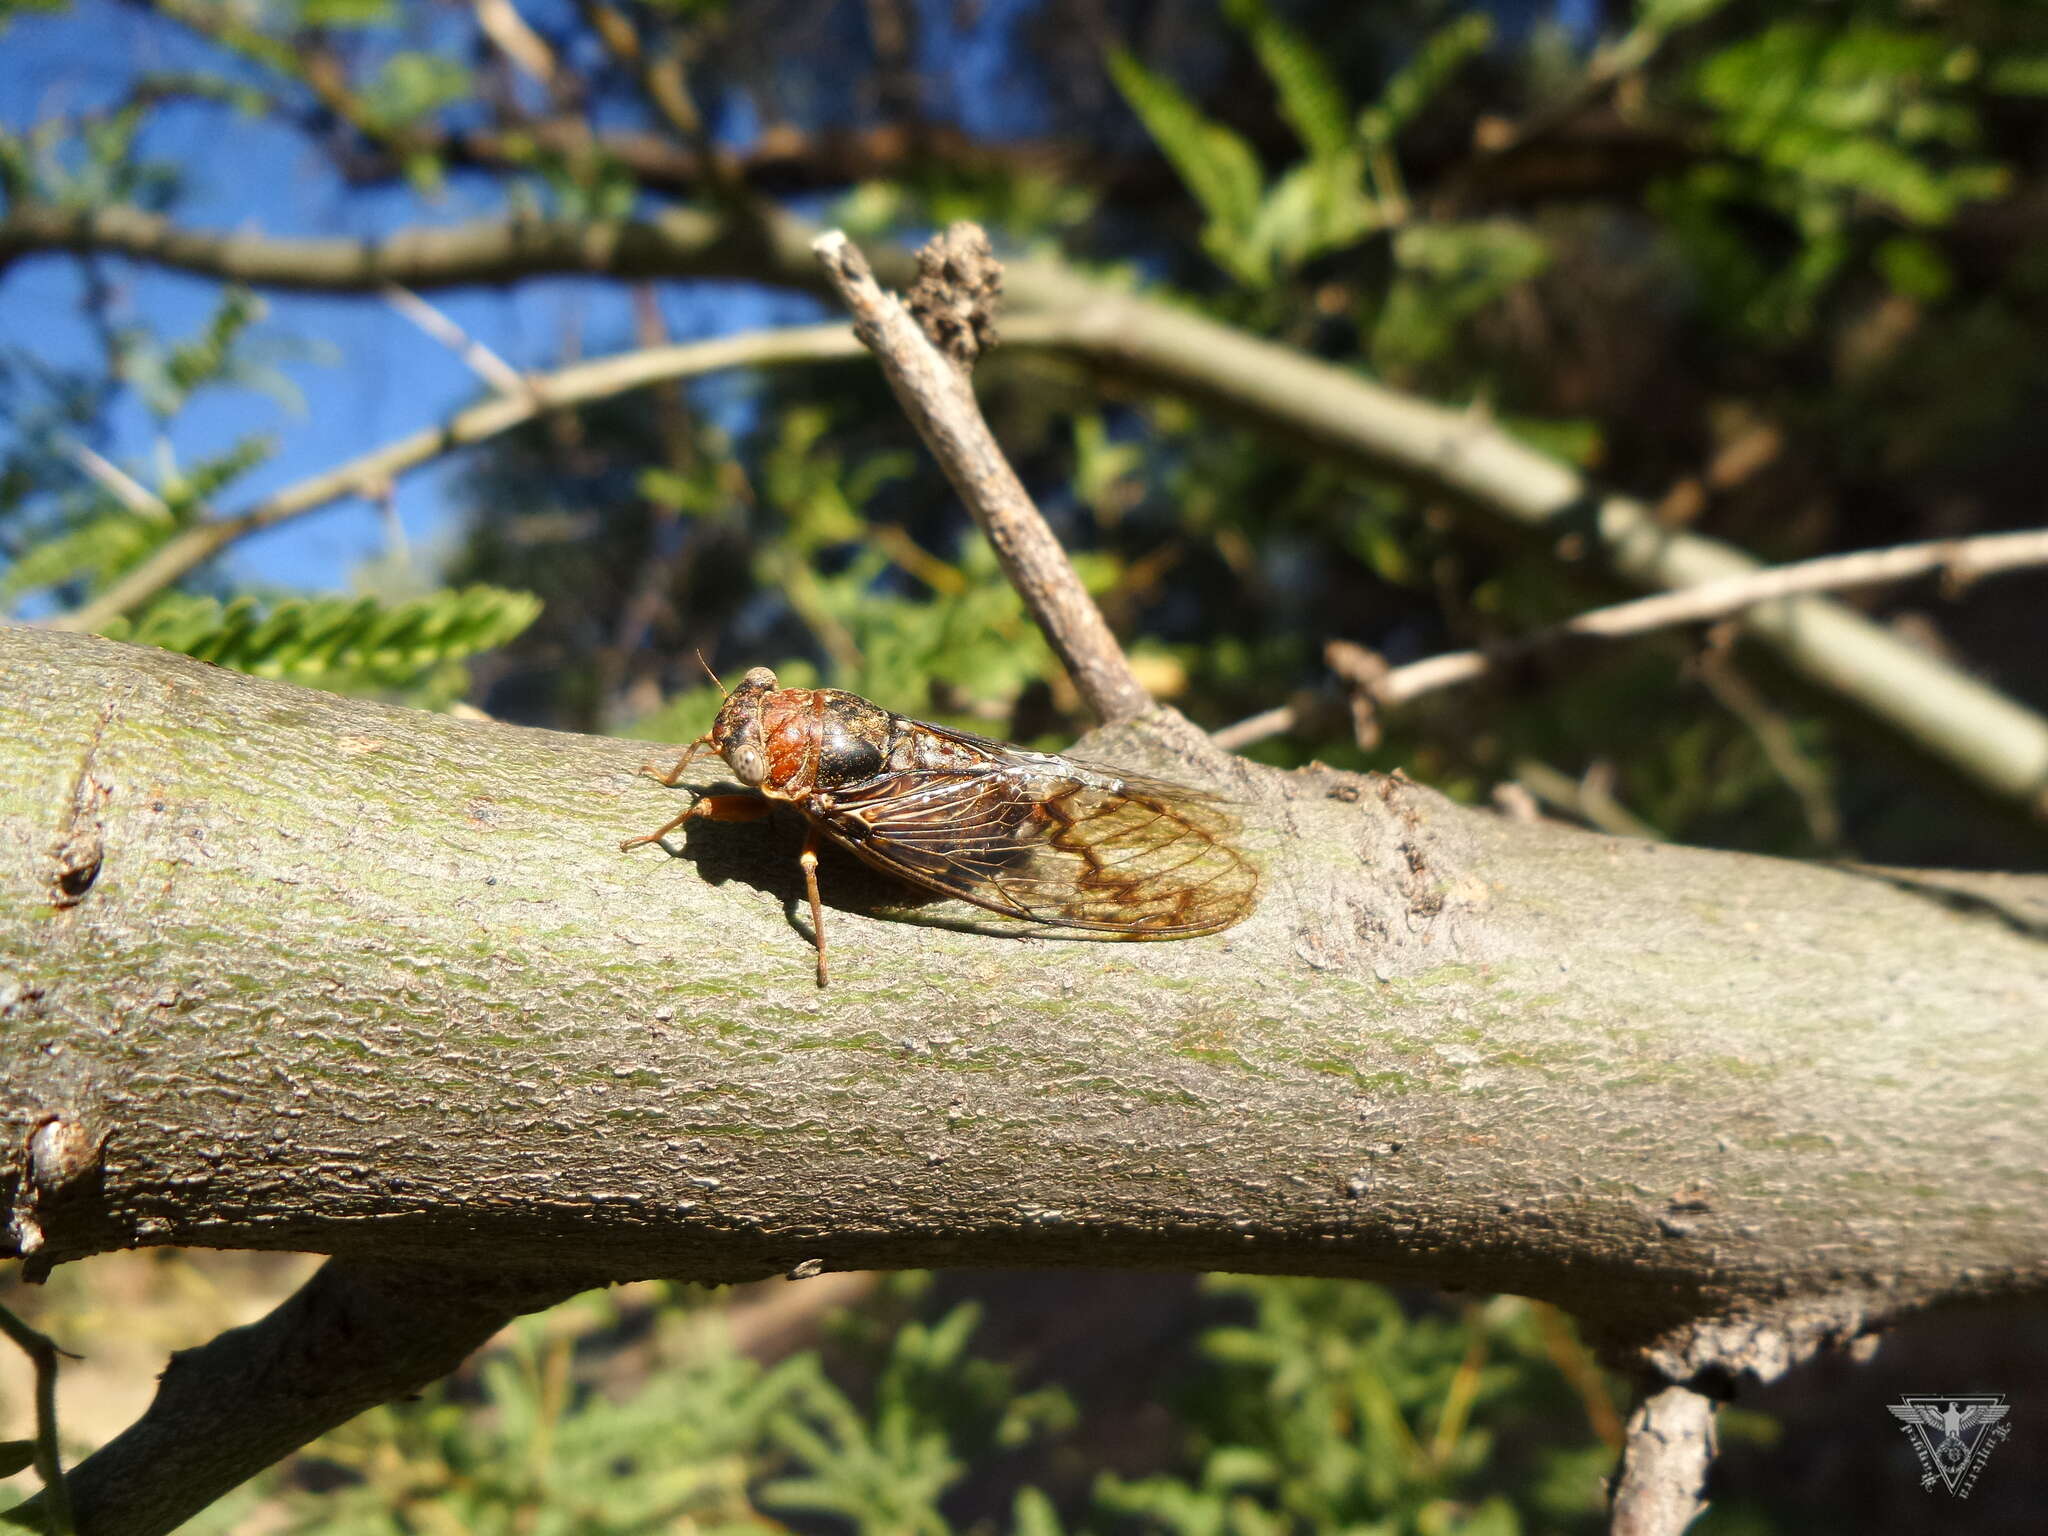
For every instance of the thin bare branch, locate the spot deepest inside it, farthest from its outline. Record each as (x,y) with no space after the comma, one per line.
(1960,561)
(501,22)
(481,360)
(1590,798)
(1664,1464)
(368,473)
(935,392)
(1779,743)
(116,481)
(1267,723)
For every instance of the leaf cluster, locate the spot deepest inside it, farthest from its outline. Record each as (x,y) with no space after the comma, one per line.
(1322,1406)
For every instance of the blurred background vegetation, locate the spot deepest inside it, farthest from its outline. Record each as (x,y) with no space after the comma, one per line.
(1775,267)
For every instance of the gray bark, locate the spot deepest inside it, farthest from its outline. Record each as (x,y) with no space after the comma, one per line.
(282,970)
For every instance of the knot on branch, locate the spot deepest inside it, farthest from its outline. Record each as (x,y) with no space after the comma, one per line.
(959,283)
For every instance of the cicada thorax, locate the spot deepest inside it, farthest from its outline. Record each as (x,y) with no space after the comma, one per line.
(818,740)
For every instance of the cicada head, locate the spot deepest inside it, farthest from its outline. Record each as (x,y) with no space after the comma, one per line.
(739,735)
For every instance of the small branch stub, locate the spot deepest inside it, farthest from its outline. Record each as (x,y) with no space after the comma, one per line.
(1659,1490)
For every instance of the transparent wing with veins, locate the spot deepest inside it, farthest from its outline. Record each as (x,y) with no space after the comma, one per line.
(1052,840)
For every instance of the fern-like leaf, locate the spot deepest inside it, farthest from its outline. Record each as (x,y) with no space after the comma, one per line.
(1417,83)
(342,644)
(94,552)
(1310,98)
(1216,164)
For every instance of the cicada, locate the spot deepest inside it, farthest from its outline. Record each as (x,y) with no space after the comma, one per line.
(1031,835)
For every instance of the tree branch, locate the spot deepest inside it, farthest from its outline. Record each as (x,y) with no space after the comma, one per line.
(466,1031)
(676,242)
(355,1335)
(935,390)
(365,475)
(1992,740)
(500,375)
(1959,560)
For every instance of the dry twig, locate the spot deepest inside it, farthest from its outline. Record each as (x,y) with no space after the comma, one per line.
(117,482)
(932,387)
(482,361)
(1377,686)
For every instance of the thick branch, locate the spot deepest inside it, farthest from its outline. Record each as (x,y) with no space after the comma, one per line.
(325,975)
(674,243)
(937,395)
(354,1336)
(1991,739)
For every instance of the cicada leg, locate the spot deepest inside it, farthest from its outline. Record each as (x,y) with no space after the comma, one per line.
(809,859)
(671,777)
(707,808)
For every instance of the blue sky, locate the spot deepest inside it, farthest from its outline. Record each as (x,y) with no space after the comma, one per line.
(383,377)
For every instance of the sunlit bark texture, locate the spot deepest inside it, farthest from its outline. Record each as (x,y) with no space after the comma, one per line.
(283,970)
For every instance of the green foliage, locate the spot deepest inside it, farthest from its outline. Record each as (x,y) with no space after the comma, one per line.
(935,1409)
(1444,275)
(1328,1407)
(547,1454)
(704,1439)
(344,645)
(85,163)
(1335,1410)
(93,551)
(411,86)
(344,13)
(898,623)
(229,352)
(1310,97)
(1866,109)
(1416,84)
(1215,162)
(1838,128)
(1346,188)
(100,538)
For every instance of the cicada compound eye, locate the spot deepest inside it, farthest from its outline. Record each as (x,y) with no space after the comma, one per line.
(749,763)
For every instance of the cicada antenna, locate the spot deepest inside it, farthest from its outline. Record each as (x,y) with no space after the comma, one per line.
(723,690)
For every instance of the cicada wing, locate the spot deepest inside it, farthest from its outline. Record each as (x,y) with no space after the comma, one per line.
(1053,841)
